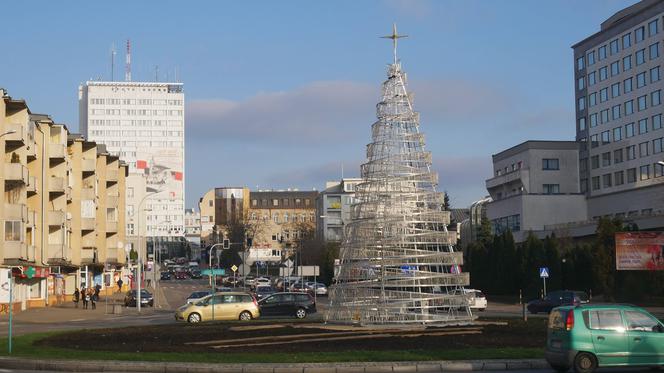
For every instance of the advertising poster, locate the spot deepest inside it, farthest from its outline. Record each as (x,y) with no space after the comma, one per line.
(640,251)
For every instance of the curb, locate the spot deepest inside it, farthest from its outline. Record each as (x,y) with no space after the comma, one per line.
(358,367)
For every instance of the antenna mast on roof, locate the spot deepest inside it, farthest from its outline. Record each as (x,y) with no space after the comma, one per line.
(128,63)
(113,62)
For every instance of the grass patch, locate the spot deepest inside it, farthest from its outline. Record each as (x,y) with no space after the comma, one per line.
(23,346)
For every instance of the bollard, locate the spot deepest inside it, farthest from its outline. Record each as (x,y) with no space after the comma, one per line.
(525,314)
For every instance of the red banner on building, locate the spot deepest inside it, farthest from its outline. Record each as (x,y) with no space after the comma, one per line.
(640,251)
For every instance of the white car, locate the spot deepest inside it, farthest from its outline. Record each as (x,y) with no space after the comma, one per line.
(261,281)
(477,299)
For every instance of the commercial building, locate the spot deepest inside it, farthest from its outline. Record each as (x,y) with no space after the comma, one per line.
(192,231)
(618,86)
(333,208)
(143,124)
(535,185)
(62,212)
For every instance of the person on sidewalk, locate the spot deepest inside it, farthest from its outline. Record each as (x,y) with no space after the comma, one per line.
(85,297)
(97,291)
(77,296)
(93,294)
(119,284)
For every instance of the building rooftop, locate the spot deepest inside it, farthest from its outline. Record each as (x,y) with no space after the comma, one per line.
(535,144)
(130,84)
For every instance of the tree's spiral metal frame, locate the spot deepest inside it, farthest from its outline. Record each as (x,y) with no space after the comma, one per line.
(398,264)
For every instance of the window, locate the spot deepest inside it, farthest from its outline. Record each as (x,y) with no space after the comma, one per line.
(592,99)
(605,320)
(594,142)
(606,138)
(617,134)
(655,98)
(627,41)
(594,162)
(627,85)
(644,172)
(584,185)
(582,124)
(601,53)
(629,107)
(591,58)
(615,68)
(254,202)
(550,164)
(657,145)
(606,159)
(643,149)
(631,152)
(640,57)
(640,321)
(605,115)
(652,28)
(275,218)
(593,120)
(595,182)
(627,63)
(657,122)
(653,50)
(284,202)
(619,177)
(654,74)
(603,94)
(615,90)
(639,34)
(592,79)
(642,103)
(613,46)
(631,175)
(658,170)
(579,63)
(615,112)
(275,202)
(603,73)
(13,230)
(618,156)
(551,188)
(606,181)
(641,80)
(583,164)
(582,103)
(580,83)
(643,126)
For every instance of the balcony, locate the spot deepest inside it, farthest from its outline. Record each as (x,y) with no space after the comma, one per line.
(88,194)
(16,172)
(56,151)
(16,211)
(18,137)
(15,250)
(89,241)
(57,184)
(112,226)
(31,150)
(32,185)
(57,251)
(31,253)
(112,201)
(88,165)
(517,175)
(87,224)
(112,245)
(88,255)
(56,218)
(112,175)
(32,218)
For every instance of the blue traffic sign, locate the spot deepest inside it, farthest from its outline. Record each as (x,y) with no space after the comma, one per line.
(544,272)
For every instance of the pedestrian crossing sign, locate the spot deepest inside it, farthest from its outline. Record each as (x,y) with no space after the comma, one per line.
(544,272)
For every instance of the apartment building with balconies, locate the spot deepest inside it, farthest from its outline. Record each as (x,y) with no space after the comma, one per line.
(49,213)
(333,206)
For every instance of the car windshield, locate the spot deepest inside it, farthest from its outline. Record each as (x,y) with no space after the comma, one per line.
(199,294)
(583,297)
(263,289)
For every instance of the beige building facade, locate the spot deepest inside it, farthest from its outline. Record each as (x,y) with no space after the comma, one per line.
(63,210)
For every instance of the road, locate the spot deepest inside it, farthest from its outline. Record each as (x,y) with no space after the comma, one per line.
(605,370)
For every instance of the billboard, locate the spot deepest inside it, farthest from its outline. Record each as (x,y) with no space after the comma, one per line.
(640,251)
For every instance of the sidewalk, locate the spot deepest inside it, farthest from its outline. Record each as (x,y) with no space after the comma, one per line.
(368,367)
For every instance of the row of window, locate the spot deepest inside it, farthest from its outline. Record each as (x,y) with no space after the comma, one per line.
(629,130)
(618,178)
(624,110)
(281,202)
(511,223)
(547,164)
(136,112)
(134,133)
(615,44)
(286,218)
(134,123)
(131,101)
(630,153)
(113,146)
(604,94)
(592,77)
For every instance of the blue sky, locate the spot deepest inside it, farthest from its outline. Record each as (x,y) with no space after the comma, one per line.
(282,93)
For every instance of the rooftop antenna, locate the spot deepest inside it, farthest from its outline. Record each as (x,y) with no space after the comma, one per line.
(156,73)
(395,36)
(176,75)
(113,62)
(128,63)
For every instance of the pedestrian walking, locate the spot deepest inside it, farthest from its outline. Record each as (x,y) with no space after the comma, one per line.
(92,295)
(119,284)
(77,296)
(97,291)
(149,282)
(85,297)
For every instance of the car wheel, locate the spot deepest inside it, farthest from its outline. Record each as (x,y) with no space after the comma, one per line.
(245,316)
(301,313)
(559,368)
(585,363)
(194,318)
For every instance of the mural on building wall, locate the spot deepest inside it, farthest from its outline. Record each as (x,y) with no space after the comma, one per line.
(163,170)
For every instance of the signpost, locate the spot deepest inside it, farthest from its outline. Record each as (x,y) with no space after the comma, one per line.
(544,274)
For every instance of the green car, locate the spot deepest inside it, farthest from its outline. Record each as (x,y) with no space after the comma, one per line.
(589,336)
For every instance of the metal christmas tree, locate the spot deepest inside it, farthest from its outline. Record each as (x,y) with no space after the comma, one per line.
(398,264)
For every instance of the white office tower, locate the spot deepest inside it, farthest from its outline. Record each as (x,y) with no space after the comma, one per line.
(398,264)
(143,123)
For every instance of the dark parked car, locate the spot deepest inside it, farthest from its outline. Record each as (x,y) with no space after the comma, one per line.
(146,298)
(557,298)
(287,304)
(263,291)
(165,276)
(180,275)
(195,274)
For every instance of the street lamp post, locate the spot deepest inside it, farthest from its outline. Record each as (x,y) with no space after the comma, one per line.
(140,256)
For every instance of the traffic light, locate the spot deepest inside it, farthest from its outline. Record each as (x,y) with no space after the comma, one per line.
(249,241)
(227,244)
